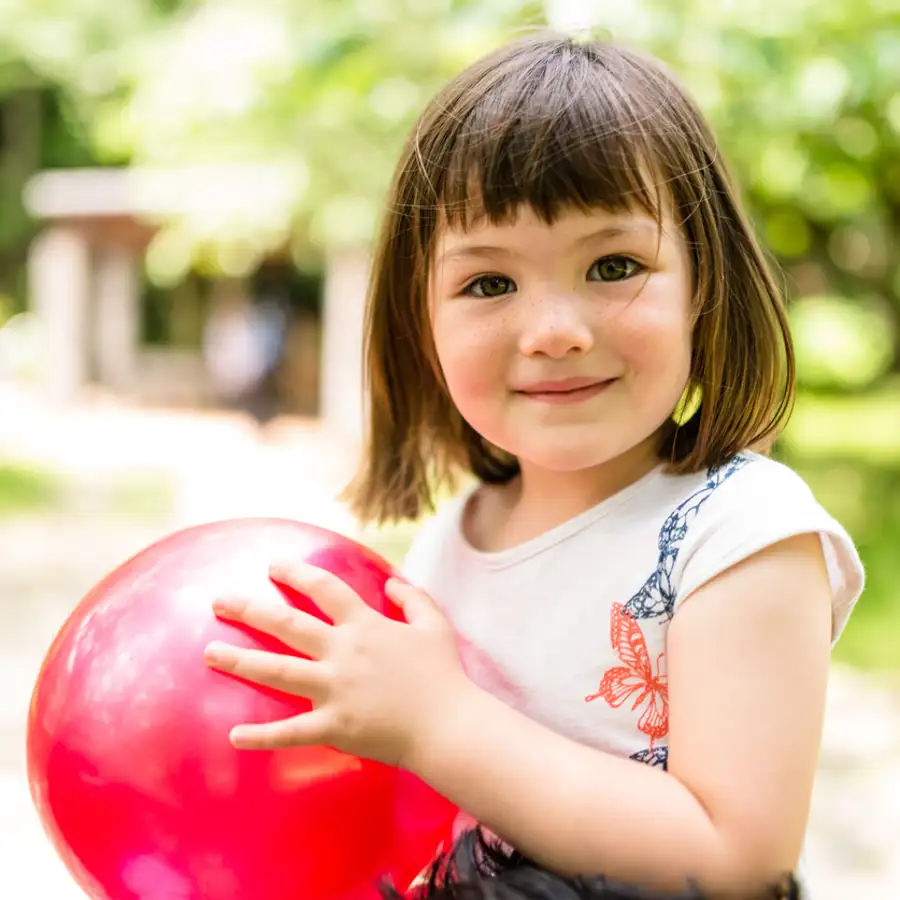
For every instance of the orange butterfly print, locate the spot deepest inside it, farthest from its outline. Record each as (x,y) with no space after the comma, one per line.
(635,677)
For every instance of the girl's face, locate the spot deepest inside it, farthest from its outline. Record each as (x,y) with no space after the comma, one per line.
(567,345)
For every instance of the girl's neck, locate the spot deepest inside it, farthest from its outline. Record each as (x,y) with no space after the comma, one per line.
(539,500)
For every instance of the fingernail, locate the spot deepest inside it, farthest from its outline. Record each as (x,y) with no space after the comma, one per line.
(215,652)
(237,738)
(221,605)
(280,568)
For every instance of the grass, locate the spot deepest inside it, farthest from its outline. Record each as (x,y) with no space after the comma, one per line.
(29,490)
(143,496)
(25,489)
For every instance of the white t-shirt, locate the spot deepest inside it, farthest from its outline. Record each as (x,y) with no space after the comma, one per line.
(570,627)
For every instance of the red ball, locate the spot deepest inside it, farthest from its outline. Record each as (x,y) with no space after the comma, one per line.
(129,761)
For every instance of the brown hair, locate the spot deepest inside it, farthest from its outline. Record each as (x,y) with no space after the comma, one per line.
(555,124)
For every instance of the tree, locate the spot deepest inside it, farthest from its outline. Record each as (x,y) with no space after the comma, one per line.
(804,95)
(325,90)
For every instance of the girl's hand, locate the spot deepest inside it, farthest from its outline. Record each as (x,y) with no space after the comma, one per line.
(377,686)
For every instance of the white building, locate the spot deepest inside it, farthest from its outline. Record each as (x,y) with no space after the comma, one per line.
(85,277)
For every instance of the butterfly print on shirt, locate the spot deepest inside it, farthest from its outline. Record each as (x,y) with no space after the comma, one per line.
(637,676)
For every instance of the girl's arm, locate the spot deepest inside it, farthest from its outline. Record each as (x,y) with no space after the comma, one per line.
(748,659)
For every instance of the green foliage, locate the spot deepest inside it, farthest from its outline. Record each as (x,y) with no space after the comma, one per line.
(841,344)
(326,90)
(804,96)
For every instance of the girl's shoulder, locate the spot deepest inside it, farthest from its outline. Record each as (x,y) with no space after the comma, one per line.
(750,484)
(762,472)
(728,513)
(433,536)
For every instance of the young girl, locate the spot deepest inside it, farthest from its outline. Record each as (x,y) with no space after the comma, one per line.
(617,649)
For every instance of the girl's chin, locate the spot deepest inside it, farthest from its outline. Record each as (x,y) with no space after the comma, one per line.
(572,459)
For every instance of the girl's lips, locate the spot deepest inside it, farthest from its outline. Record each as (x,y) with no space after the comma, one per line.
(560,393)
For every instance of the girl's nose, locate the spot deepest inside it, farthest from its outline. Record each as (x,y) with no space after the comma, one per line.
(555,328)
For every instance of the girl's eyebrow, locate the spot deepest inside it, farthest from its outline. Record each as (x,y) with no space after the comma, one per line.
(605,233)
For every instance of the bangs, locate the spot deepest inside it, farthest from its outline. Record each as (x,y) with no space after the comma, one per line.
(559,126)
(560,133)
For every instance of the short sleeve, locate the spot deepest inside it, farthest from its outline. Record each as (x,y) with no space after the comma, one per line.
(760,504)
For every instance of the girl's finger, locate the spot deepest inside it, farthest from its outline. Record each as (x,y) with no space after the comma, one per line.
(280,671)
(417,606)
(296,629)
(333,596)
(307,729)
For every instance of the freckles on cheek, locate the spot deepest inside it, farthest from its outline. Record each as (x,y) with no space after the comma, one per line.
(654,333)
(471,362)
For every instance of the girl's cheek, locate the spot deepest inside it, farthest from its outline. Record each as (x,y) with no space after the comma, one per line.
(643,331)
(473,363)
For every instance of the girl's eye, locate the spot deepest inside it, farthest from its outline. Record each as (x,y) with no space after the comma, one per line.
(490,286)
(615,268)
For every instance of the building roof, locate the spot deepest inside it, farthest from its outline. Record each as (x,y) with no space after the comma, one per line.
(152,193)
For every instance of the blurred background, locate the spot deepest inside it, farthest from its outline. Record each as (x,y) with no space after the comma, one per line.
(187,195)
